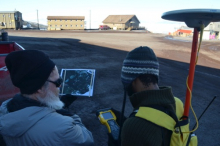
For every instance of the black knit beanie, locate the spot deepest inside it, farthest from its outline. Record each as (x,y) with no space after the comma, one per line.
(141,60)
(29,69)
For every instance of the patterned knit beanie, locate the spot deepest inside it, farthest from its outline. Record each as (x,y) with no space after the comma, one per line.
(141,60)
(29,69)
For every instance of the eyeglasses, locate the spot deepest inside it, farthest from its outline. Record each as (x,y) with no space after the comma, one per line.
(58,82)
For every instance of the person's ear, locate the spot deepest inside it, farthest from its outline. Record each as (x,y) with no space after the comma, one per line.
(134,85)
(137,85)
(40,91)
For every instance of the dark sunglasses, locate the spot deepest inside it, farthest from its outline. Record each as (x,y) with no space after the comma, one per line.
(58,82)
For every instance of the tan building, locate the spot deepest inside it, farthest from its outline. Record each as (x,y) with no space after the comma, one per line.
(11,20)
(65,22)
(122,22)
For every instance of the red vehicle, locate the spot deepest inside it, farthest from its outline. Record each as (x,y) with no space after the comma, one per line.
(104,27)
(7,89)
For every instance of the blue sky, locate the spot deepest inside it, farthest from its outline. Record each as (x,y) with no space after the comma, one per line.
(147,11)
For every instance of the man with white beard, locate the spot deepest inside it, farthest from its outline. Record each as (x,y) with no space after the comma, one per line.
(36,117)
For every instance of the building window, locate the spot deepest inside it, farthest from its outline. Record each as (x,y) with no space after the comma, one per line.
(9,15)
(66,25)
(71,20)
(3,15)
(56,25)
(81,25)
(81,20)
(60,20)
(71,25)
(76,20)
(65,20)
(76,25)
(50,25)
(60,25)
(55,20)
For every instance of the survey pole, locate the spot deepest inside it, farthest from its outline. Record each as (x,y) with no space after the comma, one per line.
(191,72)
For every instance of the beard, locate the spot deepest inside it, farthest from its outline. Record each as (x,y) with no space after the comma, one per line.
(51,100)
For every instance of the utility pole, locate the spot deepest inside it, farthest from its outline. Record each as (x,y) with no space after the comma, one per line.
(90,18)
(38,20)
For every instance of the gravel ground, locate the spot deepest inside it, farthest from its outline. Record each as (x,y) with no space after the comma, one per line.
(104,51)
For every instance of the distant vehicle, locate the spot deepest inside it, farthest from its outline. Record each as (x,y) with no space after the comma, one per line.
(104,27)
(28,25)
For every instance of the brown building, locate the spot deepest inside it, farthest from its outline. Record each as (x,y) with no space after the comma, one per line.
(122,22)
(183,33)
(11,20)
(65,22)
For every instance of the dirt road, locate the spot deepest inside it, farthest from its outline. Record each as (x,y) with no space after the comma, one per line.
(105,52)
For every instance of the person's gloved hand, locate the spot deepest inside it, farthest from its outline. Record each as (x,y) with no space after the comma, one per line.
(111,141)
(68,99)
(118,116)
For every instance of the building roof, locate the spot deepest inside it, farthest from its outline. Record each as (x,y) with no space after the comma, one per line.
(9,12)
(184,31)
(186,28)
(66,17)
(119,18)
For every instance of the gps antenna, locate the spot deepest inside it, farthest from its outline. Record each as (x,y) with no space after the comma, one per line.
(205,110)
(122,112)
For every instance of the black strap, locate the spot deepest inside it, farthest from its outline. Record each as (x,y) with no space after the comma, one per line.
(189,138)
(122,117)
(133,113)
(183,122)
(2,141)
(162,131)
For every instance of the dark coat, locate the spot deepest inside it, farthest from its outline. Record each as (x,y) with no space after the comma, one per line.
(140,132)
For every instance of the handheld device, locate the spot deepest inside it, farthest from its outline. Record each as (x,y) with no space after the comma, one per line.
(108,118)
